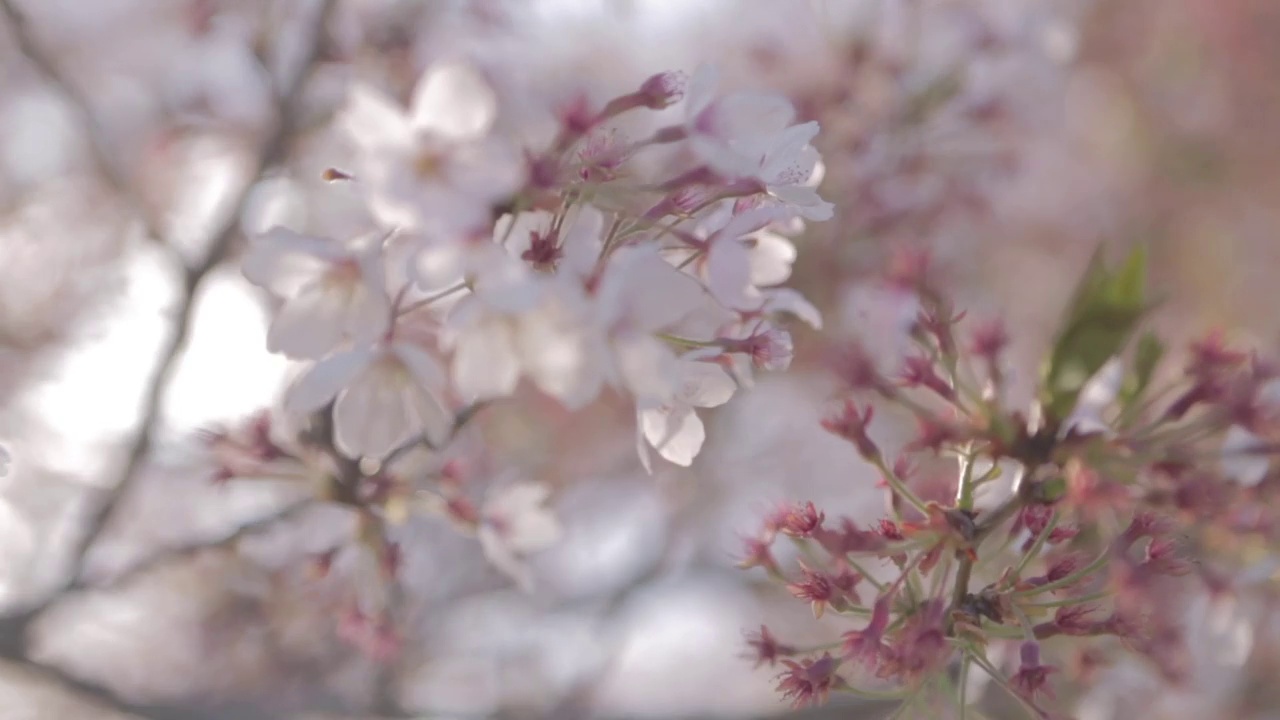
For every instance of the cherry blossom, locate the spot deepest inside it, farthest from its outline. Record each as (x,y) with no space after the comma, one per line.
(334,292)
(434,166)
(674,429)
(514,523)
(729,133)
(385,395)
(787,170)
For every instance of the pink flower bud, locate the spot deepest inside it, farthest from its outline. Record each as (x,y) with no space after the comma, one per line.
(663,90)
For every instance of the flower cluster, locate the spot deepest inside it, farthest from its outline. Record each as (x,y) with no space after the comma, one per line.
(572,265)
(577,265)
(1073,529)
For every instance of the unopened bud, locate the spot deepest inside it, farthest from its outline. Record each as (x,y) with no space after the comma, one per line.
(663,90)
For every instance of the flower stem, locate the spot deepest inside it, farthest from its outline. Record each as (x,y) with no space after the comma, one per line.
(1074,577)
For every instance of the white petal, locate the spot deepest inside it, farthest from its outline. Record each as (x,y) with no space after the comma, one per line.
(645,289)
(372,118)
(430,415)
(1095,399)
(648,368)
(677,434)
(514,233)
(374,415)
(721,157)
(283,261)
(788,300)
(454,100)
(325,380)
(559,356)
(804,201)
(506,284)
(582,242)
(728,273)
(771,259)
(367,316)
(755,118)
(311,324)
(642,445)
(705,384)
(488,170)
(485,365)
(521,507)
(1244,467)
(502,557)
(421,365)
(701,89)
(789,151)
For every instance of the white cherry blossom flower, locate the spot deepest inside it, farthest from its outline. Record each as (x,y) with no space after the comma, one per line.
(334,293)
(787,169)
(731,133)
(574,247)
(385,395)
(514,523)
(1240,457)
(434,166)
(560,348)
(736,263)
(1095,399)
(673,429)
(640,295)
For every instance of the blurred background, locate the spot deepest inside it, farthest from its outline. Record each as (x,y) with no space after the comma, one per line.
(140,140)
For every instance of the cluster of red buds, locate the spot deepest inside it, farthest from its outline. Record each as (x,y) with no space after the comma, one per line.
(1074,529)
(508,517)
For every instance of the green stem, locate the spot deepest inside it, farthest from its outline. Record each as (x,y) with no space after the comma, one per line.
(1071,579)
(898,486)
(964,489)
(1094,597)
(999,679)
(1035,547)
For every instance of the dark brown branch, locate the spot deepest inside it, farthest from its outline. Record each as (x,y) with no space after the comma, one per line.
(176,554)
(273,151)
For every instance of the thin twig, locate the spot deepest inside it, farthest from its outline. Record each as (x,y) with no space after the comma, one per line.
(271,154)
(13,629)
(188,550)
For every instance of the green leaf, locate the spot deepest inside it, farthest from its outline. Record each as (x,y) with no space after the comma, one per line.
(936,94)
(1145,359)
(1100,321)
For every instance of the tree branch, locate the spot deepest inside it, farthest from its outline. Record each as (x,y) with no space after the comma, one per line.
(271,154)
(14,643)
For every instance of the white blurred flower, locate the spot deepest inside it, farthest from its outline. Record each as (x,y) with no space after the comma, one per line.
(434,166)
(727,268)
(386,395)
(787,170)
(1096,397)
(791,302)
(674,429)
(770,256)
(731,133)
(1241,461)
(335,293)
(639,295)
(574,247)
(514,523)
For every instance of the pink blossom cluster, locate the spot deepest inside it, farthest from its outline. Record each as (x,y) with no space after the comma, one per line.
(1030,546)
(583,263)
